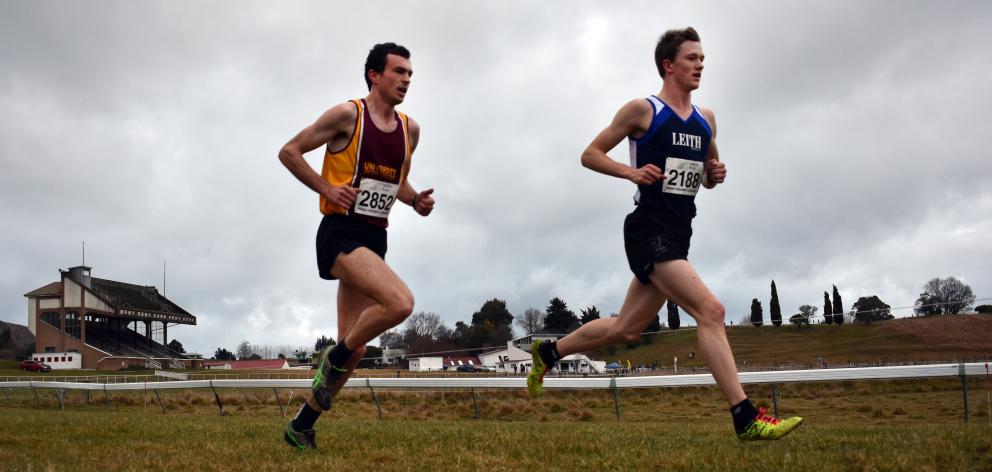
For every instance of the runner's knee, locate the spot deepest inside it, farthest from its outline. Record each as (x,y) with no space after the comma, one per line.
(624,334)
(399,306)
(713,312)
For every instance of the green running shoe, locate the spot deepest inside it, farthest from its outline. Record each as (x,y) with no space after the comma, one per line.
(327,375)
(768,427)
(535,379)
(306,439)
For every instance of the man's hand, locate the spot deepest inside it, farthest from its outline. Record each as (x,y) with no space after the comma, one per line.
(342,195)
(716,171)
(646,175)
(423,202)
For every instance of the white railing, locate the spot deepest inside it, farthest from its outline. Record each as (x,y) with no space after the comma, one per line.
(611,383)
(790,376)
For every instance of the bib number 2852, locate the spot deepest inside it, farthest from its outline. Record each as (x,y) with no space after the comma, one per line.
(375,198)
(682,176)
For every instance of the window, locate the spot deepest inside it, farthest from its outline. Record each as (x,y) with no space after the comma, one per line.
(63,358)
(72,324)
(52,318)
(49,359)
(70,358)
(49,348)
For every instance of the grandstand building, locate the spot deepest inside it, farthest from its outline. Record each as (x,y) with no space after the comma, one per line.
(111,325)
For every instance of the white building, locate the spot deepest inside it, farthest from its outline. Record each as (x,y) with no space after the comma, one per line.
(392,356)
(514,360)
(425,364)
(60,360)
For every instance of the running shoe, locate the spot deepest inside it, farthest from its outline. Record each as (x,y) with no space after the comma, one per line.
(535,379)
(327,375)
(768,427)
(306,439)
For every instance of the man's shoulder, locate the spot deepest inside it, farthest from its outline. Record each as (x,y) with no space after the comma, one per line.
(706,112)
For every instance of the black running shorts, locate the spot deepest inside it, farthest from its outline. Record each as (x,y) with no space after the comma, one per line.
(648,240)
(339,234)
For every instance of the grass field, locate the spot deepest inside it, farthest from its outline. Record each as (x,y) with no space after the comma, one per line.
(891,425)
(930,339)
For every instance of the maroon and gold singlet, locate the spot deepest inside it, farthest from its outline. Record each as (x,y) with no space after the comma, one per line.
(375,162)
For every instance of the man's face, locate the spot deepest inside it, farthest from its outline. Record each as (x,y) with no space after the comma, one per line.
(687,69)
(394,81)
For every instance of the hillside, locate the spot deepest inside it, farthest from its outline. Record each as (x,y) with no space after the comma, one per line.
(940,338)
(21,339)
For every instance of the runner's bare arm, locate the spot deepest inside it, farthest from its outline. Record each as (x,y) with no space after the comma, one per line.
(422,202)
(336,123)
(715,170)
(633,119)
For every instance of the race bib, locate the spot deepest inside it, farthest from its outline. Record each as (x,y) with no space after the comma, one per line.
(682,176)
(375,198)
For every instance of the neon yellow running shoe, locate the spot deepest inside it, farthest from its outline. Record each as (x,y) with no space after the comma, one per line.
(535,379)
(768,427)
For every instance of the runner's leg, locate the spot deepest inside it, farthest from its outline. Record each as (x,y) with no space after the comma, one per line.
(639,306)
(365,273)
(679,281)
(351,303)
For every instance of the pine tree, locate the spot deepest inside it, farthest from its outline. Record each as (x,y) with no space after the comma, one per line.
(828,312)
(589,314)
(775,310)
(673,315)
(559,319)
(653,327)
(757,317)
(838,308)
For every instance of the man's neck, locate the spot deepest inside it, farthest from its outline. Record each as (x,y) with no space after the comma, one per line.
(675,97)
(380,108)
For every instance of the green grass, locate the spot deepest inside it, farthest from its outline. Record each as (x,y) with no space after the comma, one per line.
(885,425)
(50,440)
(934,339)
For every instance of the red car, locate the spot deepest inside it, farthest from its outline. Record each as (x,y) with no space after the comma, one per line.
(35,366)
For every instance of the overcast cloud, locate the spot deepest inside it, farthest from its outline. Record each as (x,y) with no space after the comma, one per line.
(854,135)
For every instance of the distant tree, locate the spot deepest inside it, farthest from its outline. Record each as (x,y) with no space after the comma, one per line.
(422,325)
(558,318)
(493,323)
(373,355)
(869,309)
(799,320)
(674,320)
(244,350)
(6,339)
(774,309)
(828,311)
(757,315)
(947,296)
(253,357)
(653,328)
(223,355)
(809,311)
(531,321)
(983,309)
(176,346)
(838,308)
(322,342)
(589,314)
(392,339)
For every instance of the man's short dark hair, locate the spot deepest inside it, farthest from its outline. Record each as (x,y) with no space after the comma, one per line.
(377,58)
(669,44)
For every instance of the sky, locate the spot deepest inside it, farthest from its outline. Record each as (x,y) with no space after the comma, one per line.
(852,131)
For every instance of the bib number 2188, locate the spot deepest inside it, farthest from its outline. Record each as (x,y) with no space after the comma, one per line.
(682,176)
